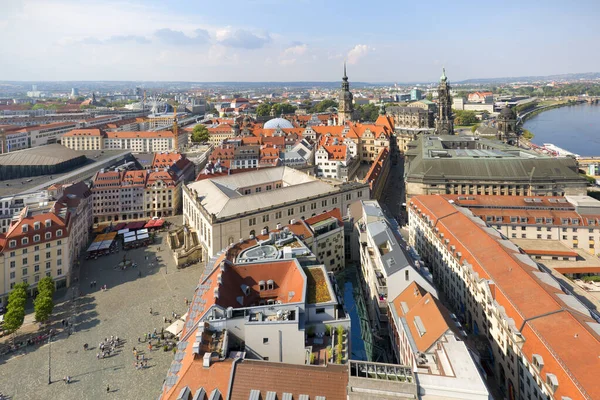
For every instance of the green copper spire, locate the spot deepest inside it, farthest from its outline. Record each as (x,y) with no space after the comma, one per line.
(443,77)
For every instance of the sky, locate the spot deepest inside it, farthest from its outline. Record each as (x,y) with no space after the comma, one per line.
(295,40)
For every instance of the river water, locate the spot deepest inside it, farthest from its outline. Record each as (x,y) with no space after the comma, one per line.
(575,128)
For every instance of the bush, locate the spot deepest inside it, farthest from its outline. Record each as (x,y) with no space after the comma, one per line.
(328,330)
(329,353)
(594,278)
(339,358)
(165,348)
(312,358)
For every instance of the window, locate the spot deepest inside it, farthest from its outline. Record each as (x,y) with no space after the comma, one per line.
(24,271)
(12,264)
(265,218)
(320,310)
(334,200)
(48,265)
(36,268)
(47,245)
(324,203)
(258,189)
(302,209)
(269,187)
(48,254)
(278,214)
(290,212)
(252,221)
(12,275)
(59,252)
(24,241)
(36,238)
(36,258)
(59,272)
(349,196)
(359,193)
(59,261)
(36,248)
(48,235)
(313,206)
(25,228)
(24,260)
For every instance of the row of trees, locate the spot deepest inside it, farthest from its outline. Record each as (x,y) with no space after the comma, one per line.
(265,109)
(43,304)
(464,117)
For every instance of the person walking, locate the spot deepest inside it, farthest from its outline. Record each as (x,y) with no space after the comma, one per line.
(107,389)
(150,310)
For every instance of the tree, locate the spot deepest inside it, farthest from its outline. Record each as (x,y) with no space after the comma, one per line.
(263,110)
(322,106)
(465,117)
(200,134)
(43,306)
(15,313)
(283,108)
(429,96)
(368,112)
(46,285)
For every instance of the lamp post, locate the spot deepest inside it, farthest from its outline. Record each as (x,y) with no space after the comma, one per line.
(49,356)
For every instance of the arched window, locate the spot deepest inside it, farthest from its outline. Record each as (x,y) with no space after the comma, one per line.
(252,233)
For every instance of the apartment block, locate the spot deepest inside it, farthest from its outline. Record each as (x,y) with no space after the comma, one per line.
(226,208)
(540,340)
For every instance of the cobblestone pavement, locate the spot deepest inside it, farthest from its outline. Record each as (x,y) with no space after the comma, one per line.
(124,311)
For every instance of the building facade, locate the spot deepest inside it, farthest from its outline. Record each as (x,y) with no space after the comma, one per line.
(539,340)
(472,165)
(224,209)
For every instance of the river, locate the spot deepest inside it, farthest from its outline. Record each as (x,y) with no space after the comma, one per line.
(575,128)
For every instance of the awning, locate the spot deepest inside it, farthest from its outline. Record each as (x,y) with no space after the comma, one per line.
(176,327)
(143,236)
(142,231)
(94,247)
(123,231)
(129,234)
(129,239)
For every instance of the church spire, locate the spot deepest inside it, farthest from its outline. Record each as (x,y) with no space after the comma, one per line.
(345,77)
(443,77)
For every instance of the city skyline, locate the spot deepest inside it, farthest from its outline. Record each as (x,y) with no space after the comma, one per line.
(256,41)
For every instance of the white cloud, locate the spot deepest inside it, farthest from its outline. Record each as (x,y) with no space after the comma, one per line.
(357,52)
(241,38)
(298,50)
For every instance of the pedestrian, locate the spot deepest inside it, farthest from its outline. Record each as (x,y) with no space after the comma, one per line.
(150,310)
(68,379)
(139,340)
(98,356)
(165,320)
(107,389)
(146,364)
(150,346)
(145,337)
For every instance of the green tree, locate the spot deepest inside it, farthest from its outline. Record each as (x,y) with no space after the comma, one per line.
(429,96)
(15,310)
(322,106)
(368,112)
(43,306)
(263,110)
(465,117)
(283,108)
(46,285)
(200,134)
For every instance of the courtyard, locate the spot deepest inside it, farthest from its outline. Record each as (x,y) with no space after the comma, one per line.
(122,310)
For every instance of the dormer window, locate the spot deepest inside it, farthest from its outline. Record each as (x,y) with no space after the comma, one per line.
(36,238)
(552,381)
(36,226)
(59,232)
(270,284)
(12,243)
(25,228)
(24,241)
(48,235)
(538,361)
(261,285)
(48,223)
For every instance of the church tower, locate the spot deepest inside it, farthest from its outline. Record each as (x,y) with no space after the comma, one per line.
(345,108)
(444,123)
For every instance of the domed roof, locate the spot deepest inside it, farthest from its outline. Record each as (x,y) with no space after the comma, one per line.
(508,113)
(278,122)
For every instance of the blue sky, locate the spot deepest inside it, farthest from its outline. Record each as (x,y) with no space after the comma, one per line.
(295,40)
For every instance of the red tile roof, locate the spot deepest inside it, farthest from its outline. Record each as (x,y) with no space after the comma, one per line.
(563,336)
(329,382)
(141,134)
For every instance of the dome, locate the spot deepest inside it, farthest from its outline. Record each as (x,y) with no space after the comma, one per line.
(508,113)
(278,122)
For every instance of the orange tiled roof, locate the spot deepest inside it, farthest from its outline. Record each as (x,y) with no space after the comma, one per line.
(561,334)
(84,132)
(434,316)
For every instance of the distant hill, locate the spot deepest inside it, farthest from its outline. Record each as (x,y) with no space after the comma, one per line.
(560,77)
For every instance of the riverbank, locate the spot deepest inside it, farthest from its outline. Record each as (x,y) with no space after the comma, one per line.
(576,129)
(541,109)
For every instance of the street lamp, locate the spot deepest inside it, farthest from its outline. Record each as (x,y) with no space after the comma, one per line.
(49,356)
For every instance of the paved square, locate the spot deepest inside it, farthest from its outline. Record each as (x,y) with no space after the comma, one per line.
(124,311)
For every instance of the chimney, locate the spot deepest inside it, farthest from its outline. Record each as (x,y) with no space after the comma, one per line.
(206,360)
